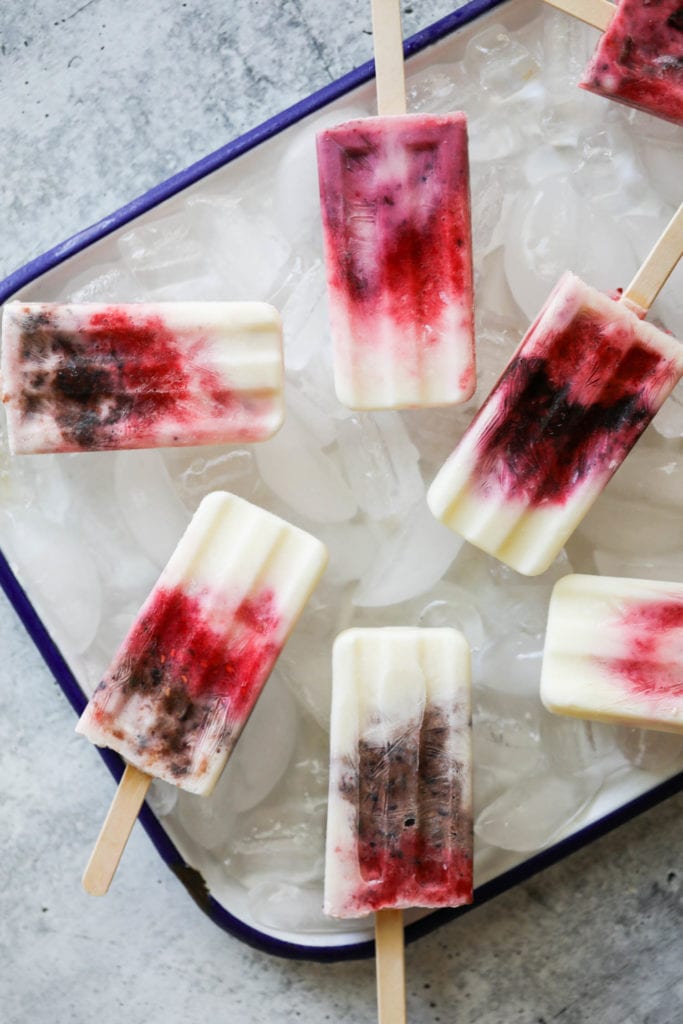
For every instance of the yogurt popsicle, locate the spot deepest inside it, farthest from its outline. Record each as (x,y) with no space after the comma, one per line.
(639,59)
(399,830)
(94,377)
(396,226)
(585,382)
(614,651)
(181,687)
(579,391)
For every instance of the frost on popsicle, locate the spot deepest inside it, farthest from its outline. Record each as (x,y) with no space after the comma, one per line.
(400,811)
(639,59)
(85,378)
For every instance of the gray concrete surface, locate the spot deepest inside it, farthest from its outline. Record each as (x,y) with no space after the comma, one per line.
(98,101)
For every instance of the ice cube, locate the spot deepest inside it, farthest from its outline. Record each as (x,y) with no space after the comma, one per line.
(536,809)
(243,246)
(351,548)
(487,785)
(315,384)
(439,89)
(305,662)
(40,481)
(504,719)
(162,252)
(303,476)
(512,665)
(198,471)
(381,463)
(64,584)
(291,908)
(412,559)
(149,504)
(435,432)
(311,412)
(608,172)
(626,527)
(206,820)
(657,752)
(568,44)
(662,160)
(112,632)
(554,229)
(262,846)
(571,744)
(487,205)
(501,63)
(162,797)
(669,420)
(495,750)
(546,161)
(640,567)
(305,317)
(451,605)
(249,777)
(492,138)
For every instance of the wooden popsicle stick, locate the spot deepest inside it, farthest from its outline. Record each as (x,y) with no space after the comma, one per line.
(597,13)
(655,271)
(115,831)
(390,960)
(388,43)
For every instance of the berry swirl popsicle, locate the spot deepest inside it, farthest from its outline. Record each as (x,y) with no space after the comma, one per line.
(399,826)
(97,377)
(639,58)
(586,380)
(395,203)
(181,687)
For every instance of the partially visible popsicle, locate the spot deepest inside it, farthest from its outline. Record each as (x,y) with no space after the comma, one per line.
(396,225)
(94,377)
(639,58)
(182,686)
(399,820)
(586,380)
(614,651)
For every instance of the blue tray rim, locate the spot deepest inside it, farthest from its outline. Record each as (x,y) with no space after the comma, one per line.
(188,876)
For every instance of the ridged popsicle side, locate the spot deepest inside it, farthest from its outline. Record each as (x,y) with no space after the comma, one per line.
(187,676)
(585,382)
(399,830)
(99,377)
(396,226)
(614,651)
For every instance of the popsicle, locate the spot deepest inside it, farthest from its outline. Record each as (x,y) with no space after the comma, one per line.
(639,58)
(584,383)
(182,685)
(614,651)
(395,207)
(399,827)
(93,377)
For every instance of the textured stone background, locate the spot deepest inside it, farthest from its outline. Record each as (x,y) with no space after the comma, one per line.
(99,101)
